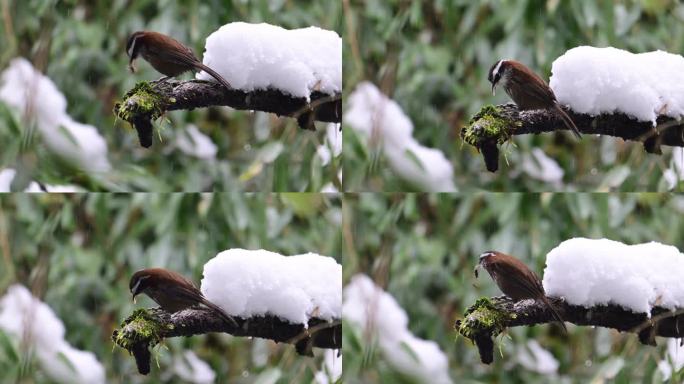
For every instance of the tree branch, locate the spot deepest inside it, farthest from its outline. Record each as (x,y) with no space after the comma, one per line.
(494,125)
(487,318)
(147,101)
(145,328)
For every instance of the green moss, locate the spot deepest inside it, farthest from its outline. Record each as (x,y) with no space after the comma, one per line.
(488,124)
(139,327)
(483,316)
(141,100)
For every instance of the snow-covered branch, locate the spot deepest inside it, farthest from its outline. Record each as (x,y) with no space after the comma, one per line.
(291,299)
(487,318)
(296,73)
(603,283)
(606,91)
(494,125)
(146,328)
(148,101)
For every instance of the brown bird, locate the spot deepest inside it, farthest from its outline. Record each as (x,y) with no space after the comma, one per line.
(172,291)
(516,280)
(527,90)
(166,54)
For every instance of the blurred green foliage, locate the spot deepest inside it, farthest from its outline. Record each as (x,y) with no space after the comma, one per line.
(422,249)
(80,45)
(432,57)
(77,253)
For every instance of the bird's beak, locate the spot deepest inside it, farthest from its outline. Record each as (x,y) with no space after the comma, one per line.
(131,67)
(475,271)
(493,89)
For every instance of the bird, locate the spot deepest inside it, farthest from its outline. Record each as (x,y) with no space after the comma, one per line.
(516,280)
(527,89)
(166,54)
(172,291)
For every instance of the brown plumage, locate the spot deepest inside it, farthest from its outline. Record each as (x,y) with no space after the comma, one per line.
(171,291)
(516,280)
(527,89)
(166,54)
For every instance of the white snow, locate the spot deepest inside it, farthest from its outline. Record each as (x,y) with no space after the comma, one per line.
(37,97)
(66,364)
(590,272)
(605,80)
(379,315)
(332,147)
(380,119)
(535,358)
(330,187)
(673,359)
(675,173)
(249,283)
(7,175)
(260,352)
(195,143)
(29,319)
(541,167)
(191,369)
(261,56)
(62,188)
(332,368)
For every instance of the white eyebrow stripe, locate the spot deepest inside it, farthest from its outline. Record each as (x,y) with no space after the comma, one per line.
(496,69)
(130,49)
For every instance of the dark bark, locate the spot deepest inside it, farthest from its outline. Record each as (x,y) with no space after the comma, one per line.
(493,126)
(486,319)
(146,328)
(170,95)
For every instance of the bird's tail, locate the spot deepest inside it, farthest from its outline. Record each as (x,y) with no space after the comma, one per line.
(568,121)
(554,313)
(221,313)
(214,74)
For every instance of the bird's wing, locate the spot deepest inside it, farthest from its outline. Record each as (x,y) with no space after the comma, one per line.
(527,283)
(191,294)
(188,293)
(219,311)
(181,54)
(537,93)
